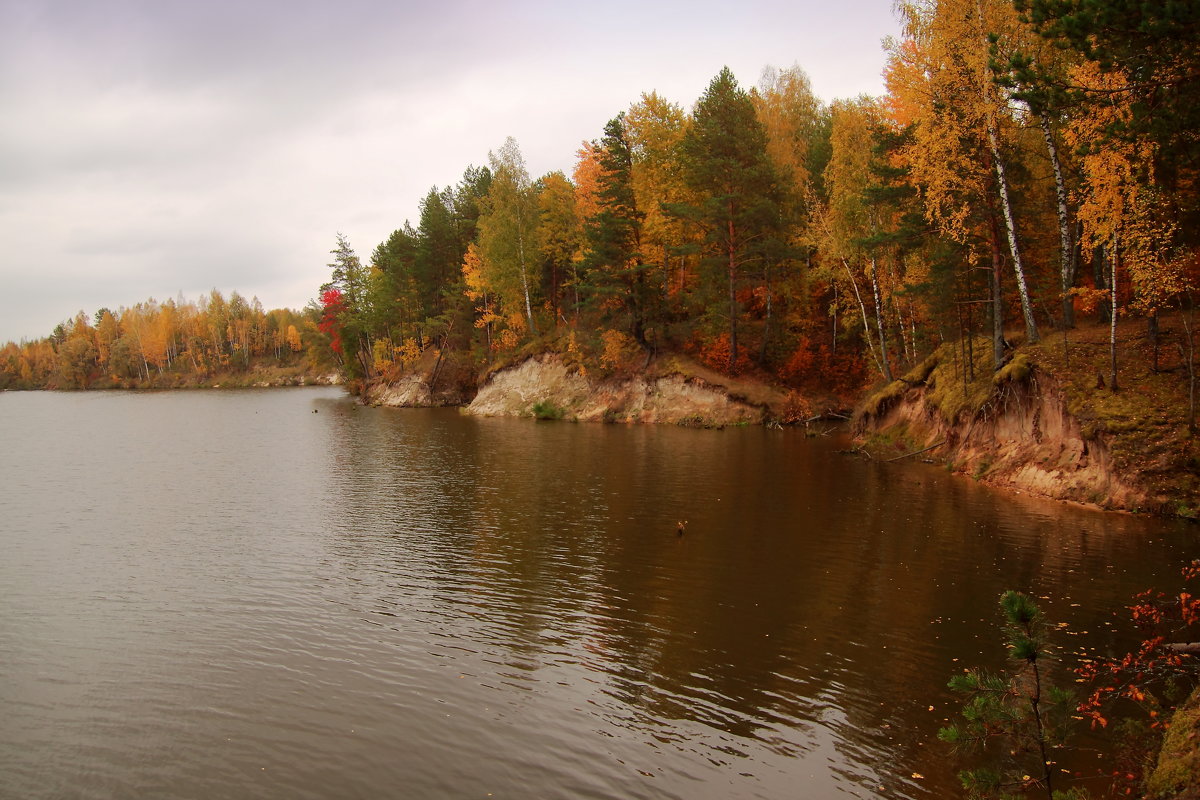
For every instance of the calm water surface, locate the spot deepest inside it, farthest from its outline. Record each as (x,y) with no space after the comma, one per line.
(225,594)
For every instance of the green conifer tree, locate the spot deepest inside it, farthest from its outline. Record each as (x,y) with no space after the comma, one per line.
(725,162)
(1015,719)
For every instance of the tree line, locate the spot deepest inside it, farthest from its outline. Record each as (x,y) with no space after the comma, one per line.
(176,342)
(1032,160)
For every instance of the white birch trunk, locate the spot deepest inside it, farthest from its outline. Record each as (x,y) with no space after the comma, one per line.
(886,366)
(1010,228)
(1066,250)
(524,272)
(862,307)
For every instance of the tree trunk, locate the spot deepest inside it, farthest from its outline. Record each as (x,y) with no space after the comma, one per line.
(909,355)
(883,351)
(437,366)
(762,352)
(553,292)
(912,323)
(966,357)
(1031,332)
(1035,702)
(487,328)
(862,307)
(1112,328)
(524,275)
(1191,363)
(1066,248)
(1152,335)
(637,291)
(969,372)
(834,328)
(1100,274)
(732,251)
(997,301)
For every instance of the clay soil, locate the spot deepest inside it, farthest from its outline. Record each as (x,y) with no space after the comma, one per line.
(1144,420)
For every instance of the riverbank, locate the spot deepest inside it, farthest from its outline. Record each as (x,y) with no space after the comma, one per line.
(257,376)
(669,389)
(1050,422)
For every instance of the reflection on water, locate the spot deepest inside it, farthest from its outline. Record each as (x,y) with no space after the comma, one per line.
(226,594)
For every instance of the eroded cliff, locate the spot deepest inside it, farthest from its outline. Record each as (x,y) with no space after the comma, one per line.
(545,386)
(1023,437)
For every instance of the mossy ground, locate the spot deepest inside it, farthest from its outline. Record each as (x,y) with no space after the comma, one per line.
(1177,774)
(957,378)
(1145,419)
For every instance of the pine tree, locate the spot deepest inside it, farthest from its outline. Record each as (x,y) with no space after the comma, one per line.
(1019,715)
(351,280)
(615,259)
(725,162)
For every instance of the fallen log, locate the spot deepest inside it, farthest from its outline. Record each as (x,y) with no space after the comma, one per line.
(918,452)
(1185,648)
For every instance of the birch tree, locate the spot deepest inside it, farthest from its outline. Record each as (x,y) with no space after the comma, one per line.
(849,219)
(941,73)
(508,235)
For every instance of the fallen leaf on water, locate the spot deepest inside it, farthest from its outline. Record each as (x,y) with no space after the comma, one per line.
(918,776)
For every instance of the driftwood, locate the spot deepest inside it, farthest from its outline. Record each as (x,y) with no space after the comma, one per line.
(918,452)
(825,416)
(1185,648)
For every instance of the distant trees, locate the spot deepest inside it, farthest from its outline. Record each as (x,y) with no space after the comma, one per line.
(696,231)
(164,344)
(355,313)
(559,239)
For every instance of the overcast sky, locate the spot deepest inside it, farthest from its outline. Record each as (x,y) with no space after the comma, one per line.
(153,147)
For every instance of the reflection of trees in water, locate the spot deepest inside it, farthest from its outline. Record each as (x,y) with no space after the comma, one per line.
(815,601)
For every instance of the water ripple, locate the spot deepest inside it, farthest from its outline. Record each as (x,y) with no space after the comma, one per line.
(238,597)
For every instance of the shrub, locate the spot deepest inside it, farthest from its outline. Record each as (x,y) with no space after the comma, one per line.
(544,409)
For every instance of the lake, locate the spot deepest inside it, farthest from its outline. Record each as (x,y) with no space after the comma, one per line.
(282,594)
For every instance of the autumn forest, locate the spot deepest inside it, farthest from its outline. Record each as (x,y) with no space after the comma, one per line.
(1033,165)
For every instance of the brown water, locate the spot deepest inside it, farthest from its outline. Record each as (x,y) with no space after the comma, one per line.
(224,594)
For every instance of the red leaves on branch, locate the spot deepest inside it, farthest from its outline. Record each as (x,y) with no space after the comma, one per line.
(1137,675)
(332,306)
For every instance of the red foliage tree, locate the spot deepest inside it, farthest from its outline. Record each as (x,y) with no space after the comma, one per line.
(332,306)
